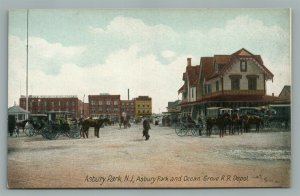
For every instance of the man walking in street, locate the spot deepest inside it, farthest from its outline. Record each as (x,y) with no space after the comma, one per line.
(146,127)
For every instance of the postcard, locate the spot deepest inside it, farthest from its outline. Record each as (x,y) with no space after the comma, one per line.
(149,98)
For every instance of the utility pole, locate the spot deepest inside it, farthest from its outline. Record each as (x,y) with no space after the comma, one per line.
(27,65)
(82,109)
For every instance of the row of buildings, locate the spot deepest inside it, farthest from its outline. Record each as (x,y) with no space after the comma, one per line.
(234,80)
(102,105)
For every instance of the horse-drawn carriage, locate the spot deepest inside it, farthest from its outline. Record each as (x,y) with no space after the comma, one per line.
(278,116)
(52,125)
(187,125)
(219,119)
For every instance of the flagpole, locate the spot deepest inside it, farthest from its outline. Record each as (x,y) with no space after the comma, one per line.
(27,64)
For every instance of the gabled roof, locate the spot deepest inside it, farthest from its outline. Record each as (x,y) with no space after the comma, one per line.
(192,74)
(181,89)
(242,53)
(286,88)
(17,110)
(207,67)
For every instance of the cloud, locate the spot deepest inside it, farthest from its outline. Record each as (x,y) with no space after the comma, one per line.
(167,54)
(148,59)
(123,69)
(42,54)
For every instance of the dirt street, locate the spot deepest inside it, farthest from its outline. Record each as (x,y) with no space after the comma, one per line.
(122,158)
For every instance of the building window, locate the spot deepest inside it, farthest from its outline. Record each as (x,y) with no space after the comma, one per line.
(208,88)
(115,102)
(92,102)
(243,65)
(100,109)
(252,82)
(67,103)
(217,85)
(235,82)
(107,109)
(100,102)
(107,102)
(192,92)
(93,110)
(115,109)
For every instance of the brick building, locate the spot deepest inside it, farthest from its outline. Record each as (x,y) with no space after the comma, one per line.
(105,105)
(127,106)
(44,104)
(143,106)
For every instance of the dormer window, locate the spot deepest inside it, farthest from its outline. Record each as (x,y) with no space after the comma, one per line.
(243,65)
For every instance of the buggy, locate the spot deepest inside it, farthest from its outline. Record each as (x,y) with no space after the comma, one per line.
(52,125)
(278,116)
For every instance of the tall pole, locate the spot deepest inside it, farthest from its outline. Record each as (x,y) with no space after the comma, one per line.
(27,64)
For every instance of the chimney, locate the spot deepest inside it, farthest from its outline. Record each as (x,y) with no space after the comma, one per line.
(128,93)
(189,61)
(272,94)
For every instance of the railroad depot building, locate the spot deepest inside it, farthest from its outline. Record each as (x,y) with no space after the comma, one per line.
(47,103)
(105,105)
(233,80)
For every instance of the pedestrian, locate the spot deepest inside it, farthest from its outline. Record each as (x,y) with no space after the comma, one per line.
(146,127)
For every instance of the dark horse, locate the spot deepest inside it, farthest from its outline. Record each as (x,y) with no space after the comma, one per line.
(237,123)
(125,122)
(96,123)
(221,121)
(248,120)
(21,124)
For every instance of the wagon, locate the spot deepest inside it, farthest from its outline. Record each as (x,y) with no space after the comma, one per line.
(188,127)
(278,116)
(61,123)
(35,124)
(52,125)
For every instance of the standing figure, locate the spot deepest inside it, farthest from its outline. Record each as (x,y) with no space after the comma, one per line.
(146,127)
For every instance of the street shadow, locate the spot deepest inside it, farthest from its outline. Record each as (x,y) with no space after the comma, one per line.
(138,140)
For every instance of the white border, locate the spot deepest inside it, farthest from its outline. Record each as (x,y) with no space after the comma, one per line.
(5,5)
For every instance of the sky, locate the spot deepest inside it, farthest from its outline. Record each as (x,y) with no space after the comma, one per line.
(88,52)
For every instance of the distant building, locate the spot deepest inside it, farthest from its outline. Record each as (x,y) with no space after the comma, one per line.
(285,93)
(19,113)
(44,104)
(105,105)
(127,106)
(143,106)
(86,111)
(174,106)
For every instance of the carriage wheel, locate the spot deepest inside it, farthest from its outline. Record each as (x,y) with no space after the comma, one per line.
(195,131)
(74,132)
(181,131)
(29,131)
(49,133)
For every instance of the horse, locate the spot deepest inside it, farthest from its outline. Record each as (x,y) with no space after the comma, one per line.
(248,120)
(222,121)
(236,123)
(22,124)
(96,123)
(125,122)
